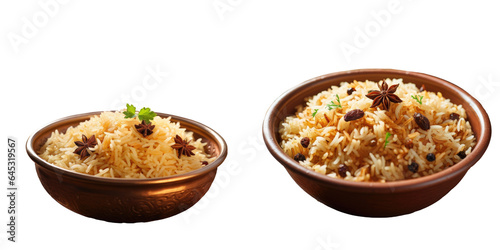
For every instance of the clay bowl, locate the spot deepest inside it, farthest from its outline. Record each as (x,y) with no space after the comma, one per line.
(376,199)
(126,200)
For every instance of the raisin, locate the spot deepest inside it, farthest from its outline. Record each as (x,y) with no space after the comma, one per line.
(462,154)
(350,91)
(354,115)
(305,142)
(342,170)
(413,167)
(431,157)
(454,116)
(409,143)
(299,157)
(422,121)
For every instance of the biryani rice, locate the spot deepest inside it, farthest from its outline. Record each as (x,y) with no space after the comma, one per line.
(333,141)
(121,151)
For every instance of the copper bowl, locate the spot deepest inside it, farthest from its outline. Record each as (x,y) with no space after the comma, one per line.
(376,199)
(126,200)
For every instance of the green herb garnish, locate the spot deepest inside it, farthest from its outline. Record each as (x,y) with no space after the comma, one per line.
(145,114)
(314,113)
(333,105)
(418,98)
(130,112)
(387,135)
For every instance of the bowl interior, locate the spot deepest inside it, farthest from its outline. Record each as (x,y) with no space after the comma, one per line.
(286,105)
(215,145)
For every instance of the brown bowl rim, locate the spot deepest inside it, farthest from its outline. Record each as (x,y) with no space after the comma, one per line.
(128,181)
(376,187)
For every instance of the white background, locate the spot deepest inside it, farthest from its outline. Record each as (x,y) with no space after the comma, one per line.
(223,63)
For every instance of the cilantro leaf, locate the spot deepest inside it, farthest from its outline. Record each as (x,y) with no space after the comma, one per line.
(146,115)
(387,135)
(130,112)
(333,105)
(314,113)
(418,98)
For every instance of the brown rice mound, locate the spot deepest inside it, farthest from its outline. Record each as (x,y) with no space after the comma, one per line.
(333,141)
(121,151)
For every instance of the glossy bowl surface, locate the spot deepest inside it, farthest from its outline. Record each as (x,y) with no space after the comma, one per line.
(376,199)
(126,200)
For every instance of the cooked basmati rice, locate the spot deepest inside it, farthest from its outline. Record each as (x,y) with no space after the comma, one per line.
(121,151)
(333,141)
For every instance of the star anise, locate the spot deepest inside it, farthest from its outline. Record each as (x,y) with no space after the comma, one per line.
(384,96)
(145,128)
(183,147)
(84,145)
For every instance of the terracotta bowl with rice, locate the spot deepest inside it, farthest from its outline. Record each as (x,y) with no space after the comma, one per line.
(98,165)
(377,142)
